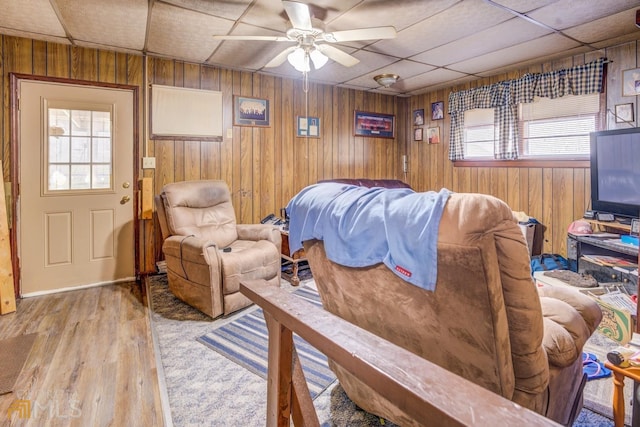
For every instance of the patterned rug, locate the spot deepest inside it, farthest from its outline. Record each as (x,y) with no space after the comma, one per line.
(204,388)
(245,342)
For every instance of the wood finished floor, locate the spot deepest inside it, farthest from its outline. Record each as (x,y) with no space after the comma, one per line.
(92,363)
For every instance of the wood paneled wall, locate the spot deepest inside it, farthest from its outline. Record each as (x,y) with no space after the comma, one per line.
(265,166)
(554,196)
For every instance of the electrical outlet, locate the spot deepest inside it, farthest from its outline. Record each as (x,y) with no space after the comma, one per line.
(148,163)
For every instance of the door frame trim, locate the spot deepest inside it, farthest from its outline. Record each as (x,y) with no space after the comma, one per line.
(15,79)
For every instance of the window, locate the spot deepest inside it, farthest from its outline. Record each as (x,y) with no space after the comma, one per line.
(548,128)
(558,127)
(479,133)
(79,149)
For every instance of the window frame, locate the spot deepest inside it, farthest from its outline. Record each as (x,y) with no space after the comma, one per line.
(569,161)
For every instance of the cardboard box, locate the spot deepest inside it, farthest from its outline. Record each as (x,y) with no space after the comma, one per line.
(616,324)
(533,233)
(528,231)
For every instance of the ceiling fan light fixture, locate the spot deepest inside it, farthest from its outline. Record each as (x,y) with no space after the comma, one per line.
(318,59)
(299,59)
(386,79)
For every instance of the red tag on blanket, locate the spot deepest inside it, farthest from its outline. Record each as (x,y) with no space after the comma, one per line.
(403,271)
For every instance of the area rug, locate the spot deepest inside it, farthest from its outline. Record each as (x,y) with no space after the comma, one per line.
(13,353)
(204,388)
(245,342)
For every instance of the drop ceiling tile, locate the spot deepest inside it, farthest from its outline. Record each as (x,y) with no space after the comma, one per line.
(434,77)
(551,44)
(568,53)
(31,16)
(620,24)
(569,13)
(401,14)
(224,9)
(113,22)
(616,41)
(457,22)
(184,34)
(524,6)
(250,54)
(409,69)
(486,41)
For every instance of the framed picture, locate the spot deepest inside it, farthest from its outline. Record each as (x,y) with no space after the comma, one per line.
(631,82)
(374,124)
(308,126)
(437,110)
(417,134)
(250,111)
(418,117)
(624,113)
(433,135)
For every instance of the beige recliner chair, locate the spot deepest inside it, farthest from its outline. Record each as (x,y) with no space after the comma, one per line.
(207,253)
(485,320)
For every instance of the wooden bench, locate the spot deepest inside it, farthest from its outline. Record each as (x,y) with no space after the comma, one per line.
(425,391)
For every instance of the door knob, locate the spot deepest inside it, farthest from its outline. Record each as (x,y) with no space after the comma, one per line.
(124,199)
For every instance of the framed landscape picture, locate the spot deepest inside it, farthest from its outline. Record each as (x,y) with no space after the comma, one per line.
(374,124)
(250,111)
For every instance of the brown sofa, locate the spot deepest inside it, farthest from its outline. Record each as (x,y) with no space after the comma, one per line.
(207,252)
(485,320)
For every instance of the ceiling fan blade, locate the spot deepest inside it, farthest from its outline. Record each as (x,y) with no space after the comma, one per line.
(299,14)
(361,34)
(337,55)
(280,58)
(265,38)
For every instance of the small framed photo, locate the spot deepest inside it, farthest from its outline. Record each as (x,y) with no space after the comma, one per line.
(624,113)
(437,110)
(635,227)
(374,124)
(433,135)
(418,117)
(308,126)
(631,82)
(250,111)
(417,134)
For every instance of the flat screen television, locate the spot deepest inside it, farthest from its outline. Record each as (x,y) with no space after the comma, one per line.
(615,172)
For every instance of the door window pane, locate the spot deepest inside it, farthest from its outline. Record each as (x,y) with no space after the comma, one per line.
(80,149)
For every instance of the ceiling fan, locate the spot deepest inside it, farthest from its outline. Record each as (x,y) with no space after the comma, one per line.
(313,45)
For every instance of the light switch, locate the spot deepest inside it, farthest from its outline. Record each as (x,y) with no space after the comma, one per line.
(148,163)
(229,133)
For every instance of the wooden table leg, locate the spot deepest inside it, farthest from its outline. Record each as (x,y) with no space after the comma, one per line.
(295,280)
(618,399)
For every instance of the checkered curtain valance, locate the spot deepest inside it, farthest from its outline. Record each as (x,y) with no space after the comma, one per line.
(505,96)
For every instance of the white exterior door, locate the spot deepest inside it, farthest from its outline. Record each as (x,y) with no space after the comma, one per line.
(76,210)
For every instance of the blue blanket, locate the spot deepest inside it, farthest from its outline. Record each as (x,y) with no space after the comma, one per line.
(365,226)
